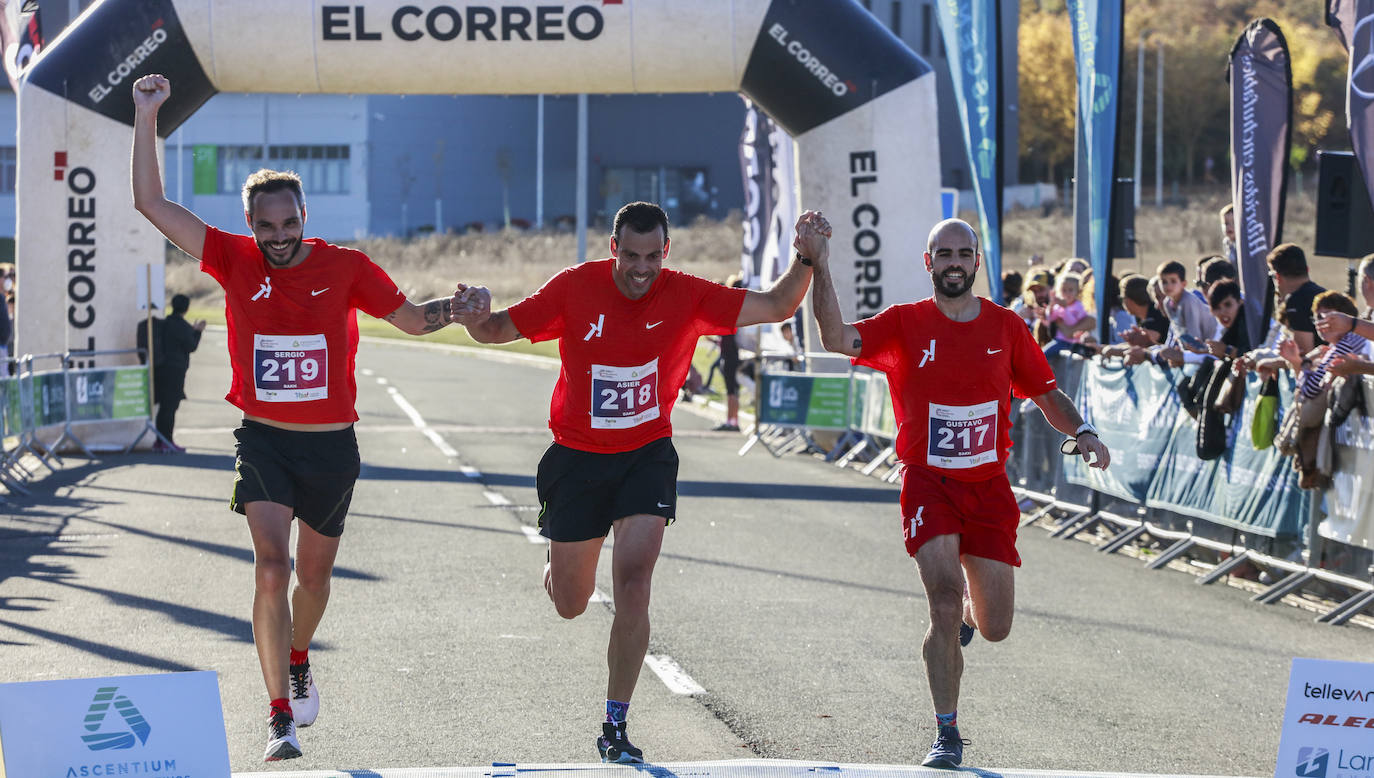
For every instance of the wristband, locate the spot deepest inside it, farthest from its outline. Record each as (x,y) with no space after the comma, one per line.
(801,259)
(1086,429)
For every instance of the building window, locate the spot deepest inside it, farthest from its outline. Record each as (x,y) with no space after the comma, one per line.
(897,18)
(323,169)
(683,192)
(8,170)
(927,28)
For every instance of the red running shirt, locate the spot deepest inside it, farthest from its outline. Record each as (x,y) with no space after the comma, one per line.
(293,334)
(951,383)
(624,360)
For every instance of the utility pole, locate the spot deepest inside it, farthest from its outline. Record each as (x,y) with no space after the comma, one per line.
(1159,127)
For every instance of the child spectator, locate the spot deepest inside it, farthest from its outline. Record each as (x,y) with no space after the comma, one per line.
(1188,313)
(1070,319)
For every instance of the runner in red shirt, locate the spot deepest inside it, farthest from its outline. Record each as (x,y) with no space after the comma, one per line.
(626,329)
(293,335)
(952,362)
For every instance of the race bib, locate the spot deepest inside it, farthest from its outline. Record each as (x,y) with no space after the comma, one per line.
(962,436)
(290,368)
(624,397)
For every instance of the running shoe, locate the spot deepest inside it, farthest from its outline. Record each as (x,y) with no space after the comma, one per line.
(305,698)
(281,738)
(947,751)
(965,634)
(725,427)
(615,747)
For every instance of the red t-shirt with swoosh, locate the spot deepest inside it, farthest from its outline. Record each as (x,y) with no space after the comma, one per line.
(624,360)
(951,383)
(293,333)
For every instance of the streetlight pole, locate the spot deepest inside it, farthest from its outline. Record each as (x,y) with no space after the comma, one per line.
(1159,127)
(1139,112)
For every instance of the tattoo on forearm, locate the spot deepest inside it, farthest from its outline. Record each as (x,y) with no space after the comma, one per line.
(858,343)
(436,314)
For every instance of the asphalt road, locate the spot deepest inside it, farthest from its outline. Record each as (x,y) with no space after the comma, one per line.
(784,591)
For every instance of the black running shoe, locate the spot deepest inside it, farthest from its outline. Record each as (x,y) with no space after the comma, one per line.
(615,747)
(966,634)
(947,751)
(281,738)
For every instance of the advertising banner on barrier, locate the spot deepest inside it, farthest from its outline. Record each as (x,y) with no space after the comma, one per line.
(858,398)
(9,407)
(1134,411)
(171,724)
(1327,722)
(49,399)
(115,393)
(1254,491)
(818,402)
(1350,500)
(879,418)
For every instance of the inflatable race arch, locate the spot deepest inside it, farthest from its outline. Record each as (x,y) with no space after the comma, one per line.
(860,105)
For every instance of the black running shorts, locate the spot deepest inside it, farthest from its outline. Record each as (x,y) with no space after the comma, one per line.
(582,493)
(311,472)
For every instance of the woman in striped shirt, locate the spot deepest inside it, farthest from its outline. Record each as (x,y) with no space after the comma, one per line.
(1312,367)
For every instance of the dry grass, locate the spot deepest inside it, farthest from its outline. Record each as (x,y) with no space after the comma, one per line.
(1185,233)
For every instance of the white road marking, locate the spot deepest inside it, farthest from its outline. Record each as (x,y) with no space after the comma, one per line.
(495,498)
(600,596)
(532,534)
(419,422)
(470,472)
(674,677)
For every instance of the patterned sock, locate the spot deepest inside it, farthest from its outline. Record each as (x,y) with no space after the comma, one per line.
(279,704)
(616,711)
(950,719)
(300,657)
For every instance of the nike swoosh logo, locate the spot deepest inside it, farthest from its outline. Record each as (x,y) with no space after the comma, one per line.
(649,327)
(994,351)
(314,293)
(661,505)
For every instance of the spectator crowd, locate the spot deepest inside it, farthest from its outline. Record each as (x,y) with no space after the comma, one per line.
(1172,322)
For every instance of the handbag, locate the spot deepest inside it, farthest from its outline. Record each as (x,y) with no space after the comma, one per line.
(1265,423)
(1232,393)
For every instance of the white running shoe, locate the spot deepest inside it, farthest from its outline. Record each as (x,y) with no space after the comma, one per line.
(305,698)
(281,738)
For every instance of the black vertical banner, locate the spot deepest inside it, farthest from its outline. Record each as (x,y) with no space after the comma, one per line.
(1353,21)
(1261,78)
(756,167)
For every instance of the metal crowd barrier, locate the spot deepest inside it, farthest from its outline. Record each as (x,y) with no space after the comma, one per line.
(35,403)
(1251,511)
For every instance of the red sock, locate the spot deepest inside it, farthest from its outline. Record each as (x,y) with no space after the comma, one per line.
(300,657)
(279,704)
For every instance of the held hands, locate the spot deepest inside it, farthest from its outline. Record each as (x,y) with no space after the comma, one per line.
(151,91)
(470,305)
(813,236)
